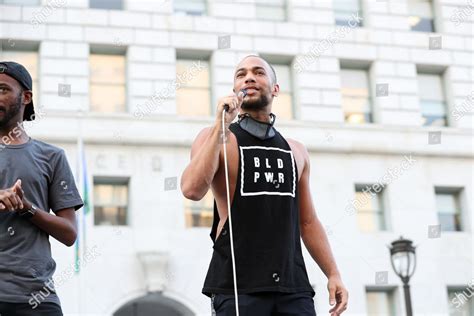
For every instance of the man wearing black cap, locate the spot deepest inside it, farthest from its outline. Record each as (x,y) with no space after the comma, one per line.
(35,178)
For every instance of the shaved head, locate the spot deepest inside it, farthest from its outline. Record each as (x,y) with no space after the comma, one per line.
(270,67)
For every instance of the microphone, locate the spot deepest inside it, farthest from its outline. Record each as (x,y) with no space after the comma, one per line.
(243,91)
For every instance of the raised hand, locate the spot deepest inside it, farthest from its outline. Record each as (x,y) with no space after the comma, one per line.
(10,200)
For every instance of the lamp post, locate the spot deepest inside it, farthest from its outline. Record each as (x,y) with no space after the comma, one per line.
(403,258)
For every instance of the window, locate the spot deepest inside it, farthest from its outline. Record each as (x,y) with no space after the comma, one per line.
(199,213)
(344,11)
(421,15)
(22,2)
(107,82)
(369,209)
(283,104)
(449,210)
(29,59)
(271,10)
(110,201)
(106,4)
(193,94)
(356,102)
(190,7)
(380,302)
(432,99)
(460,301)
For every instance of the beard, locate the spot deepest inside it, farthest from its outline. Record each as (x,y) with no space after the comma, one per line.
(257,104)
(15,108)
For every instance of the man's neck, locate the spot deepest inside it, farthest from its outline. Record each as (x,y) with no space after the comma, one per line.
(13,134)
(261,116)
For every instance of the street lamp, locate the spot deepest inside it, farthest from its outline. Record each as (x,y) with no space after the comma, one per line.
(403,258)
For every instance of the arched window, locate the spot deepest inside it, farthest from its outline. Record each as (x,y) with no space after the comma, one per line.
(153,304)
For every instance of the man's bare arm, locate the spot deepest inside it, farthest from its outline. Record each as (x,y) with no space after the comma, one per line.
(317,243)
(312,231)
(198,175)
(63,226)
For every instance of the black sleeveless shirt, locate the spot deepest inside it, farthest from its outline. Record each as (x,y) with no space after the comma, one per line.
(265,221)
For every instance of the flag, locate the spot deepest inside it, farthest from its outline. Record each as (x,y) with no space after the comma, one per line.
(83,185)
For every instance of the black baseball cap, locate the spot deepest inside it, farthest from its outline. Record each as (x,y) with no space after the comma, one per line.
(20,74)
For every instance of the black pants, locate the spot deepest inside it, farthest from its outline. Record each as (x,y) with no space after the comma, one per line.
(265,304)
(25,309)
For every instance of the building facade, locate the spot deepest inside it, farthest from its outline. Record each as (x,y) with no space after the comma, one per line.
(380,92)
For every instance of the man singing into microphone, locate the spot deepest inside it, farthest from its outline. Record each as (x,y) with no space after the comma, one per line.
(34,178)
(271,206)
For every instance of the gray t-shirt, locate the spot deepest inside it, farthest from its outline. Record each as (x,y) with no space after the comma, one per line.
(26,265)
